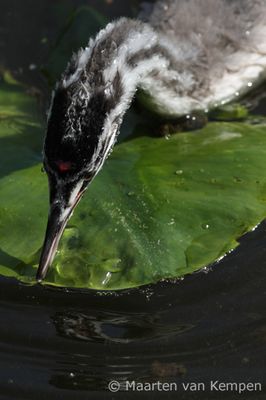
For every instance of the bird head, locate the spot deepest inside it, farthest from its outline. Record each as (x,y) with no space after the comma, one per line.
(81,131)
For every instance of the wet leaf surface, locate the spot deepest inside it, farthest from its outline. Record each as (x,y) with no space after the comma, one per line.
(158,209)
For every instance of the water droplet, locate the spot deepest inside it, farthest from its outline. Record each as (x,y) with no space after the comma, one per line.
(107,278)
(250,84)
(172,222)
(167,137)
(237,93)
(237,179)
(205,226)
(188,116)
(130,194)
(71,374)
(179,172)
(254,228)
(32,67)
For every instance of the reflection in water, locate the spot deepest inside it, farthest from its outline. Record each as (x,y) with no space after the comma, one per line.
(114,327)
(120,329)
(207,326)
(59,344)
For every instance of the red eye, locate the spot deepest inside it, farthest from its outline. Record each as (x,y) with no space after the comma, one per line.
(64,166)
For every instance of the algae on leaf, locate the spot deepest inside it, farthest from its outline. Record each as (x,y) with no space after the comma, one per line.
(158,209)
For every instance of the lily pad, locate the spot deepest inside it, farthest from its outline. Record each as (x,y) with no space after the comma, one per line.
(20,128)
(158,209)
(229,112)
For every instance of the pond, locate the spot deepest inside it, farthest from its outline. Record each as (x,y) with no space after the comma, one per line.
(71,343)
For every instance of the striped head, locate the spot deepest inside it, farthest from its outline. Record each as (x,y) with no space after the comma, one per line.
(81,132)
(86,112)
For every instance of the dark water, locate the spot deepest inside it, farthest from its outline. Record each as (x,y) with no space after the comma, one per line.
(69,344)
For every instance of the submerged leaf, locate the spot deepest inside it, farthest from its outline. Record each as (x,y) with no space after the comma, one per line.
(158,209)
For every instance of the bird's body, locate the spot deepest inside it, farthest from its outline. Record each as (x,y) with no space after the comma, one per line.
(219,48)
(191,55)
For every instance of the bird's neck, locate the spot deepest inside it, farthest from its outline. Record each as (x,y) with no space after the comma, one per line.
(128,54)
(123,54)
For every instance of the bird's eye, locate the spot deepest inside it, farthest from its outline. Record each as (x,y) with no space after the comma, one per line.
(64,166)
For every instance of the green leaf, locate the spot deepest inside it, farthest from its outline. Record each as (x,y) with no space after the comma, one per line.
(20,132)
(158,209)
(229,112)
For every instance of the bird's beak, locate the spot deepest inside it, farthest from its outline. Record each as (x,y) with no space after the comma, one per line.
(58,218)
